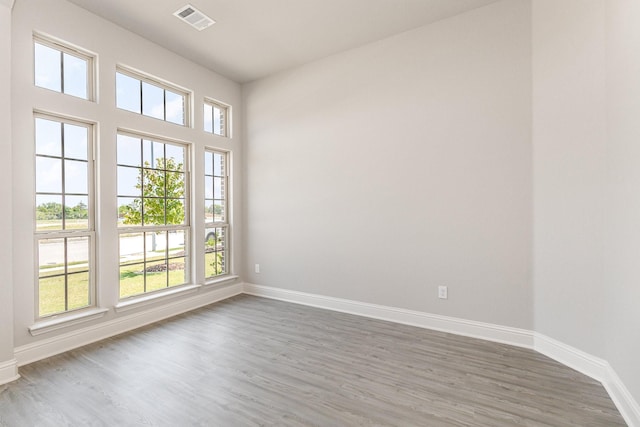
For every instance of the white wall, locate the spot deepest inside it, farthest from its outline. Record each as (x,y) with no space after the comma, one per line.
(6,282)
(113,45)
(382,172)
(622,281)
(569,140)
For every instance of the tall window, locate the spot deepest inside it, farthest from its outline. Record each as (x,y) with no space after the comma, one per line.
(216,118)
(153,205)
(216,213)
(62,69)
(64,214)
(142,95)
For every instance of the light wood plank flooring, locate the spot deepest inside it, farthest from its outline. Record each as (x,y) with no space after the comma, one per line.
(250,361)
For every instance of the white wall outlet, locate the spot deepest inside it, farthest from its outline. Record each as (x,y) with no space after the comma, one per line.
(257,268)
(443,292)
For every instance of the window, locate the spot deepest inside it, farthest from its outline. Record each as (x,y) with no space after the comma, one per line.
(145,96)
(216,213)
(153,205)
(64,214)
(216,118)
(62,69)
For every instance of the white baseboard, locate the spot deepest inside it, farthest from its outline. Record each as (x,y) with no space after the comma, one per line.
(468,328)
(592,366)
(623,399)
(589,365)
(9,371)
(48,347)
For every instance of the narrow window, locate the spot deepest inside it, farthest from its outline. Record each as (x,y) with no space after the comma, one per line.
(216,213)
(153,206)
(143,95)
(64,215)
(62,69)
(216,118)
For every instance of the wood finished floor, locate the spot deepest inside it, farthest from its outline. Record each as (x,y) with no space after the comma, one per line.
(250,361)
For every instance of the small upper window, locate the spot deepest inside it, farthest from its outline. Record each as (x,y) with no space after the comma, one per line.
(216,118)
(142,95)
(62,69)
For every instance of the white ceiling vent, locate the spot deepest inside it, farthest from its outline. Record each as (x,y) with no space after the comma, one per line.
(194,17)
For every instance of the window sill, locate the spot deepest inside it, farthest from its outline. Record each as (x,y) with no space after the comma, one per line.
(135,302)
(221,280)
(66,320)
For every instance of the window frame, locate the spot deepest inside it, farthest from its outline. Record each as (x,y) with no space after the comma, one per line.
(90,232)
(161,84)
(64,47)
(219,224)
(187,227)
(227,117)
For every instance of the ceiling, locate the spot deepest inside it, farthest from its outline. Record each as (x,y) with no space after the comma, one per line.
(254,38)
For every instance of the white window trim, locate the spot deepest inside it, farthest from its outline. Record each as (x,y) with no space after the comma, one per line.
(211,280)
(56,234)
(227,117)
(187,227)
(162,84)
(62,46)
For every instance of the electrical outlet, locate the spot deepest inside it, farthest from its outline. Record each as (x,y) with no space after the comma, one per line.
(257,268)
(442,292)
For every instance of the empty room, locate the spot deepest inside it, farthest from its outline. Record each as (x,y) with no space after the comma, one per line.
(320,213)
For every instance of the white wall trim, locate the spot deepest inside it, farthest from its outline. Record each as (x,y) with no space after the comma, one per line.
(592,366)
(9,371)
(48,347)
(468,328)
(623,399)
(7,3)
(589,365)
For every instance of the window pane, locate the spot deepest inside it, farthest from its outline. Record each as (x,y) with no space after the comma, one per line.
(218,193)
(177,243)
(208,118)
(208,187)
(48,137)
(127,93)
(76,176)
(177,272)
(129,151)
(78,290)
(208,163)
(76,212)
(218,121)
(218,209)
(175,108)
(51,257)
(131,280)
(51,295)
(153,211)
(48,175)
(218,164)
(131,248)
(208,210)
(176,154)
(129,211)
(152,101)
(215,251)
(78,254)
(128,181)
(48,71)
(175,211)
(48,213)
(154,183)
(156,245)
(175,184)
(75,76)
(75,142)
(153,154)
